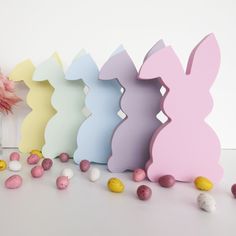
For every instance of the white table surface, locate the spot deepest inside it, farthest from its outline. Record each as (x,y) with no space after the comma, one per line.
(86,208)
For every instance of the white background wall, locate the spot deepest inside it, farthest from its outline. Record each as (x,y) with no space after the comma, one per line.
(35,29)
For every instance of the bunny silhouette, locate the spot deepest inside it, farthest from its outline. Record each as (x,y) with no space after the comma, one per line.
(185,147)
(102,100)
(39,100)
(140,103)
(68,100)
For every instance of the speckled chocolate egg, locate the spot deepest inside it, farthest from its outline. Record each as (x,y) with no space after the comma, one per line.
(84,165)
(233,190)
(115,185)
(14,166)
(139,175)
(144,192)
(206,202)
(202,183)
(33,159)
(47,163)
(64,157)
(14,156)
(14,181)
(67,172)
(3,165)
(37,171)
(167,181)
(37,152)
(94,174)
(62,182)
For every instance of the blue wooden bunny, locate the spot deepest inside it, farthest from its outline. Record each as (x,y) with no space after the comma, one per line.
(102,100)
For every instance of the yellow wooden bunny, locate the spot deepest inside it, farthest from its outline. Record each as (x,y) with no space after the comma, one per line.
(39,100)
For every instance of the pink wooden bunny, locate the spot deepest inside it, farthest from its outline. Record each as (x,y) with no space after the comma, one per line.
(185,147)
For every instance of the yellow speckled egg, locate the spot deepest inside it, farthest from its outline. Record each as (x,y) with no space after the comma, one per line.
(203,183)
(37,152)
(3,165)
(115,185)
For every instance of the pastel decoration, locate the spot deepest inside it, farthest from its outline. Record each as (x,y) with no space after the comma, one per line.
(39,100)
(186,146)
(68,100)
(141,103)
(102,101)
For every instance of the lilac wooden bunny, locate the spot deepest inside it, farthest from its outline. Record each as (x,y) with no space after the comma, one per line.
(185,147)
(140,103)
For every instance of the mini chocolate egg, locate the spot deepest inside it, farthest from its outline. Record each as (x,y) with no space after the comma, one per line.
(67,172)
(233,190)
(14,181)
(37,171)
(33,159)
(203,183)
(14,156)
(3,165)
(139,175)
(144,192)
(115,185)
(37,152)
(14,165)
(62,182)
(206,202)
(94,174)
(84,165)
(167,181)
(64,157)
(47,164)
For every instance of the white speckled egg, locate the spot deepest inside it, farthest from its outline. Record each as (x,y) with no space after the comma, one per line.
(206,202)
(67,172)
(14,165)
(94,174)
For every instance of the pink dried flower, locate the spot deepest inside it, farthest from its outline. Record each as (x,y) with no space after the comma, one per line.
(8,98)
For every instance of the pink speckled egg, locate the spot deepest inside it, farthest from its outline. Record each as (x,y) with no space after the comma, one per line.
(62,182)
(167,181)
(144,192)
(14,181)
(84,165)
(64,157)
(139,175)
(37,171)
(233,190)
(33,159)
(14,156)
(47,163)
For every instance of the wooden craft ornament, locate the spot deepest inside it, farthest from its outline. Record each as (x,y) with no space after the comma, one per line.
(94,135)
(39,100)
(68,100)
(186,146)
(141,103)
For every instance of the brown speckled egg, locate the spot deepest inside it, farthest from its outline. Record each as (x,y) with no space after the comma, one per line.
(62,182)
(84,165)
(64,157)
(33,159)
(233,190)
(167,181)
(144,192)
(139,175)
(47,163)
(37,171)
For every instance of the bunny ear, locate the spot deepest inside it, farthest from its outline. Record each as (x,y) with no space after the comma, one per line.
(51,69)
(204,61)
(22,71)
(119,66)
(162,64)
(157,46)
(82,67)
